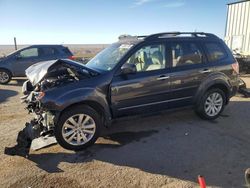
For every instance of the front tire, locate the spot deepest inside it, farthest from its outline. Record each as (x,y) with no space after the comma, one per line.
(5,76)
(211,104)
(78,128)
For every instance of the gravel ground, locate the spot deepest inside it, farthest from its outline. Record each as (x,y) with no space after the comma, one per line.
(166,150)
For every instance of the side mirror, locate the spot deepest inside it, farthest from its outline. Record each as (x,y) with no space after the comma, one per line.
(128,69)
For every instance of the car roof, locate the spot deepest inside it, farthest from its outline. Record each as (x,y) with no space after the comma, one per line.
(45,45)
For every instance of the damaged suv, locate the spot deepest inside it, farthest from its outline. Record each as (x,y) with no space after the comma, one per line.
(137,74)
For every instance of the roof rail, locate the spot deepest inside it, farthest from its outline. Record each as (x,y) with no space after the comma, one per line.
(130,37)
(173,34)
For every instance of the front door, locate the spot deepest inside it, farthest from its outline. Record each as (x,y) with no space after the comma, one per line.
(148,88)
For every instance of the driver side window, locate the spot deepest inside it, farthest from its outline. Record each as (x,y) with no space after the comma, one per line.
(149,58)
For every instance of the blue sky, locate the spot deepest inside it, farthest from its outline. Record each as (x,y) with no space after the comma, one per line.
(102,21)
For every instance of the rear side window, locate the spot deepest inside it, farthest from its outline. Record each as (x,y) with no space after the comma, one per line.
(185,53)
(49,51)
(215,51)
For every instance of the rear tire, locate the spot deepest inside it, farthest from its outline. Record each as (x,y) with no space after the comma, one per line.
(78,128)
(5,76)
(211,104)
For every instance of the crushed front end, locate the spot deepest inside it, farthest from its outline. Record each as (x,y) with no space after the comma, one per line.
(39,131)
(44,120)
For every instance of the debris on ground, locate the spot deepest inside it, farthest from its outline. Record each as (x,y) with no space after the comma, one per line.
(22,147)
(243,88)
(41,142)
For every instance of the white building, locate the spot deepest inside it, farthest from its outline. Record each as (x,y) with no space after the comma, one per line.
(237,35)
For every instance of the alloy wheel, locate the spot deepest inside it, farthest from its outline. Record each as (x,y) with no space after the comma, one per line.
(78,129)
(4,77)
(213,104)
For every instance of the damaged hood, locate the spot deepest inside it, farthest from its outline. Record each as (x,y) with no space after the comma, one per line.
(38,71)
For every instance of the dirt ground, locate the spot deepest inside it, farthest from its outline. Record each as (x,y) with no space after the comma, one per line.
(166,150)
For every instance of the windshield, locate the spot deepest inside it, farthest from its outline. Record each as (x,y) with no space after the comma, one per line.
(109,57)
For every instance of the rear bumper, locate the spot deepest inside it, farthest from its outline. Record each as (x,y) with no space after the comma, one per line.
(234,87)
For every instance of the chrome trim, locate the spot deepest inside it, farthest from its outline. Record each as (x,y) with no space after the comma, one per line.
(205,71)
(152,103)
(163,78)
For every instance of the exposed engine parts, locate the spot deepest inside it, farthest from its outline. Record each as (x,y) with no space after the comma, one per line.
(42,77)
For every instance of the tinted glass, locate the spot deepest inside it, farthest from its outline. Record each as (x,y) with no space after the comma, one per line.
(49,51)
(149,58)
(31,52)
(185,53)
(215,51)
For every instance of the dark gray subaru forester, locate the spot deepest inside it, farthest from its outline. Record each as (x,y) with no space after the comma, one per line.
(135,75)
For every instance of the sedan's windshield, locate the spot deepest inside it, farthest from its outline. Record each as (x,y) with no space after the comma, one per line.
(109,57)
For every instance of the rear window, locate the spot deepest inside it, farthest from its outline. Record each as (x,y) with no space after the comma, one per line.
(215,51)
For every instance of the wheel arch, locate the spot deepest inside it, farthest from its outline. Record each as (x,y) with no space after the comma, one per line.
(105,116)
(222,87)
(9,73)
(219,83)
(6,69)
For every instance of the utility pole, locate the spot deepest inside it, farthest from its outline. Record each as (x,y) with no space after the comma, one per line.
(15,43)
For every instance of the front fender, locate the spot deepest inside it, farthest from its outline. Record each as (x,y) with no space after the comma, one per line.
(80,95)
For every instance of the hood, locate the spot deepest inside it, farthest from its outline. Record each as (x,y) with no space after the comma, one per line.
(38,71)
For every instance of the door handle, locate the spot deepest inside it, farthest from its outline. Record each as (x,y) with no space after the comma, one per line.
(162,77)
(205,71)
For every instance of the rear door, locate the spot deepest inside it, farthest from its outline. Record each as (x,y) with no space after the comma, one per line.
(146,90)
(24,59)
(189,68)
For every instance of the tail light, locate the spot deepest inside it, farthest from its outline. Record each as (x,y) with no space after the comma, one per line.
(235,67)
(72,57)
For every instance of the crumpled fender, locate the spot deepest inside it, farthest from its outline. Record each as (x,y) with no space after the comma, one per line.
(76,96)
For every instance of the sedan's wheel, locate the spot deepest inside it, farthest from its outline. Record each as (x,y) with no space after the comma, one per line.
(211,104)
(78,128)
(5,76)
